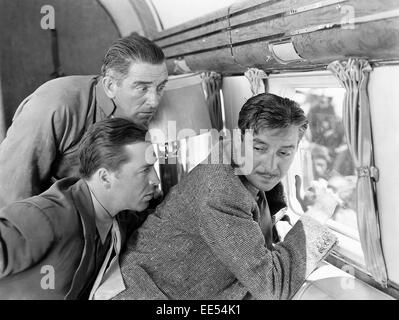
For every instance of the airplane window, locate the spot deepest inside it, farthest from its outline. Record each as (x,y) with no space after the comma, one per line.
(323,154)
(326,158)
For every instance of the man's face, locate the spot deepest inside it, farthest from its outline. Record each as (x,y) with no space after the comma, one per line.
(272,153)
(138,95)
(133,185)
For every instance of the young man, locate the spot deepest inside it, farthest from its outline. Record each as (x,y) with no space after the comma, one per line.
(41,144)
(211,238)
(52,246)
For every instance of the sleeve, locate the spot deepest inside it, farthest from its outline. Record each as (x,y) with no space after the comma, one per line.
(237,241)
(27,153)
(21,246)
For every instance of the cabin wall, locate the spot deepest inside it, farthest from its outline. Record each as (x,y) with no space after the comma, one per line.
(84,29)
(384,103)
(236,90)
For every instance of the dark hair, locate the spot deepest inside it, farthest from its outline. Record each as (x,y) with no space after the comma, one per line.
(103,145)
(133,48)
(268,111)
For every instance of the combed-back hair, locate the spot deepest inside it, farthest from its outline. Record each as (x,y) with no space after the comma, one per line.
(269,111)
(103,145)
(133,48)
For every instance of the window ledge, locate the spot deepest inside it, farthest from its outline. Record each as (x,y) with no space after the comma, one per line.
(328,282)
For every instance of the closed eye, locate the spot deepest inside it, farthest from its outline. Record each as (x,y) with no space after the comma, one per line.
(285,153)
(259,148)
(142,89)
(161,87)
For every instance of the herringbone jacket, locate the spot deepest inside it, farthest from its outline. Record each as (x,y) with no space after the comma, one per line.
(204,242)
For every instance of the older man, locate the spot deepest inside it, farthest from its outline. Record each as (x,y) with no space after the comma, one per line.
(55,245)
(211,238)
(42,142)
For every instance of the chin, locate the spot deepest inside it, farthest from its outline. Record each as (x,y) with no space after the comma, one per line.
(267,186)
(143,124)
(142,206)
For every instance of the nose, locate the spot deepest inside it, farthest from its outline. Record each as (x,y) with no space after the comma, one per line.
(153,98)
(270,162)
(153,179)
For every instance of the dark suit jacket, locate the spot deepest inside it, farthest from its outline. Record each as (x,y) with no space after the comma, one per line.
(43,139)
(204,242)
(52,234)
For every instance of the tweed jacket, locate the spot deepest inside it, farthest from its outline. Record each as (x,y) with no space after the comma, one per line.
(50,235)
(43,139)
(204,242)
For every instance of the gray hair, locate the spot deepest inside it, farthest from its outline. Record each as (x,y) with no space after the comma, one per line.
(133,48)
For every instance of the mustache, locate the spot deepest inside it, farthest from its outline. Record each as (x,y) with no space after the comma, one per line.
(269,175)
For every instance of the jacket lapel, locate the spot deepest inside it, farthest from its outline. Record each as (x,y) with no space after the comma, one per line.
(83,204)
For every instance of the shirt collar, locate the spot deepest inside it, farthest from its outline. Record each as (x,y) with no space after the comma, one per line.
(102,218)
(106,104)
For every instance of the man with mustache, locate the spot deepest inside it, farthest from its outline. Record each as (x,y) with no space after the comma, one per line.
(211,238)
(41,144)
(53,246)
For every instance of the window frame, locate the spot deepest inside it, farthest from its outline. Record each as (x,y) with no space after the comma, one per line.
(285,84)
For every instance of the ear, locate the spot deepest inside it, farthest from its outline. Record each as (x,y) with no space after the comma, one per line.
(110,86)
(105,178)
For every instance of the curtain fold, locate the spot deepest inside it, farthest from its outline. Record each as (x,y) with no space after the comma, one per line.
(212,84)
(353,74)
(257,79)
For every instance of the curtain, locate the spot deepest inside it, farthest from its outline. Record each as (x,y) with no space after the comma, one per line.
(257,79)
(212,84)
(353,74)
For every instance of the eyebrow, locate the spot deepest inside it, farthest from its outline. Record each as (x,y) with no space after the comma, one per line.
(147,166)
(256,140)
(135,83)
(288,147)
(147,82)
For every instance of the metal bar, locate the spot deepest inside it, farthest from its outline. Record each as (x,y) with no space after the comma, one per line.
(361,274)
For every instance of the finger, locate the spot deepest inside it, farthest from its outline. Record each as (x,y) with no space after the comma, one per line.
(318,187)
(315,185)
(310,195)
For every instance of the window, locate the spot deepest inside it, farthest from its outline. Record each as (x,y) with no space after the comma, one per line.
(323,154)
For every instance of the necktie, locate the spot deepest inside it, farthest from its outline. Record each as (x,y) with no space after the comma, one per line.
(265,220)
(109,281)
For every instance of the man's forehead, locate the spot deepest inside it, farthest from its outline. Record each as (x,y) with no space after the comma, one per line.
(288,135)
(147,72)
(141,153)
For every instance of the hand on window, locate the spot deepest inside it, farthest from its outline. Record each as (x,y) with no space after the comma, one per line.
(319,201)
